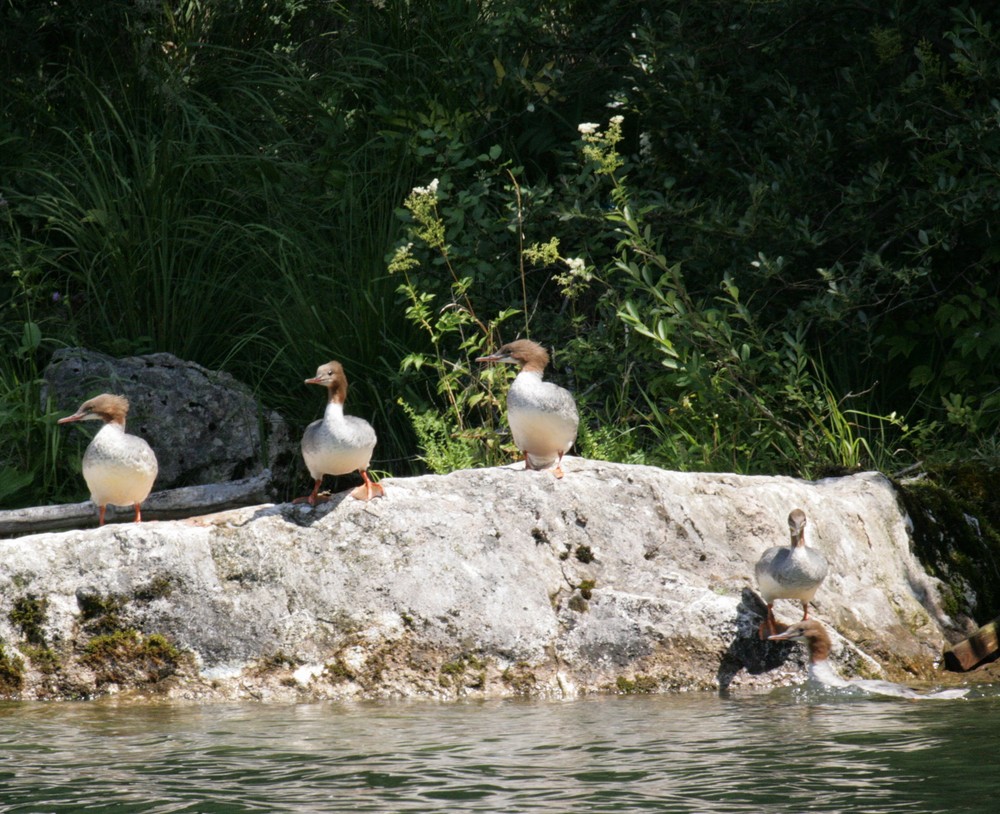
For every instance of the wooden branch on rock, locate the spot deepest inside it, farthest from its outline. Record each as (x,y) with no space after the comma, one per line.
(980,648)
(170,504)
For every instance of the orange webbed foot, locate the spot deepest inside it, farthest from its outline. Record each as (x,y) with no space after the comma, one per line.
(558,471)
(368,489)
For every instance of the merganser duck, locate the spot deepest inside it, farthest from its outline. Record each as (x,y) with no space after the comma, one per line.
(789,572)
(813,634)
(337,444)
(119,468)
(542,416)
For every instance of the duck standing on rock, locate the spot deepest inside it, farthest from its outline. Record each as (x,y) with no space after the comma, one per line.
(543,417)
(813,634)
(789,572)
(337,444)
(119,468)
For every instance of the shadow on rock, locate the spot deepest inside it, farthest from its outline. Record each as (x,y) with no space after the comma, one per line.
(304,515)
(747,651)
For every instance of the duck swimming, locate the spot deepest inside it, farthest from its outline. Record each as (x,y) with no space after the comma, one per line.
(789,572)
(119,468)
(543,417)
(813,634)
(337,444)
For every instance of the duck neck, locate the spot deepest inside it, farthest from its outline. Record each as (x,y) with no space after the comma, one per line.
(116,421)
(534,366)
(819,648)
(334,410)
(337,392)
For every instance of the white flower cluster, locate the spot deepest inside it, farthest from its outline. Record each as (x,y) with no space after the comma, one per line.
(592,128)
(430,189)
(574,281)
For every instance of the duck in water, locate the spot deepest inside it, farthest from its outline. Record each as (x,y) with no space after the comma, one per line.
(814,635)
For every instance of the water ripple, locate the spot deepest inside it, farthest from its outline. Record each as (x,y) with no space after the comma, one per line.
(693,753)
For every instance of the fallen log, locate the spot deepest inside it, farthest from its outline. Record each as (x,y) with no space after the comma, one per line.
(982,646)
(170,504)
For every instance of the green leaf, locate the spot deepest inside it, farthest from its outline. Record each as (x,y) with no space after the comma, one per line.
(31,337)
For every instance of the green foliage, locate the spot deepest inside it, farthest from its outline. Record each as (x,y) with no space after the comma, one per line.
(769,248)
(957,534)
(442,449)
(731,393)
(468,432)
(31,459)
(855,170)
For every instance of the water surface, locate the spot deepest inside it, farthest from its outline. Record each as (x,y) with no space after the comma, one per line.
(788,751)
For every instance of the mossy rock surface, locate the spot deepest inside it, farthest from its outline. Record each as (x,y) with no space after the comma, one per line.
(128,657)
(956,534)
(11,673)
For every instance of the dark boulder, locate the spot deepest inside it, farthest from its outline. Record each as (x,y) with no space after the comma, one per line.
(204,425)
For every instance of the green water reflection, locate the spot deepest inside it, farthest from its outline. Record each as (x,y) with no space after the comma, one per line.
(788,751)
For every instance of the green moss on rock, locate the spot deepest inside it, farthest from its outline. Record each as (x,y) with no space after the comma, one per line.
(29,614)
(468,670)
(956,518)
(101,613)
(159,587)
(520,679)
(43,659)
(128,657)
(11,673)
(641,684)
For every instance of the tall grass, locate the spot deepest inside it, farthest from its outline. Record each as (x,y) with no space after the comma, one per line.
(213,229)
(152,225)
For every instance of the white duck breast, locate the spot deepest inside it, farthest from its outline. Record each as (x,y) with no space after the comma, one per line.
(794,571)
(543,418)
(790,573)
(337,444)
(119,469)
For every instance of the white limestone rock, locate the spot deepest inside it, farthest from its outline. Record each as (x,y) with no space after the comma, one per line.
(485,582)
